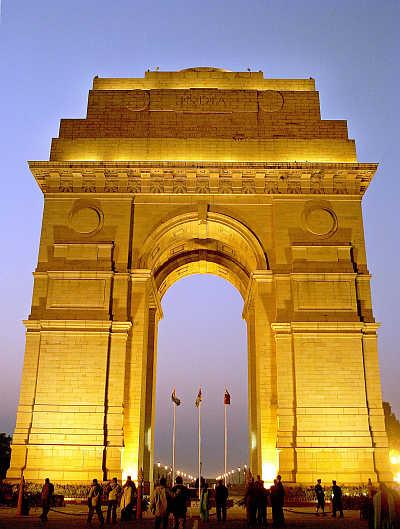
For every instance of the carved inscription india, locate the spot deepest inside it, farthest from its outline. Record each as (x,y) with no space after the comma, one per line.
(204,101)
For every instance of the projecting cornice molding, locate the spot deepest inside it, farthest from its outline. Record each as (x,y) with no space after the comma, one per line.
(275,178)
(77,325)
(344,327)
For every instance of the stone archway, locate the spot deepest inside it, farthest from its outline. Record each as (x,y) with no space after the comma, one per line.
(192,171)
(220,245)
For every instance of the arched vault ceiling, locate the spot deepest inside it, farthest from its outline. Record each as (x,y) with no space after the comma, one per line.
(217,235)
(201,262)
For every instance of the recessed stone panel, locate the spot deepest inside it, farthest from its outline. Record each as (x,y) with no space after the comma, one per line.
(324,295)
(76,293)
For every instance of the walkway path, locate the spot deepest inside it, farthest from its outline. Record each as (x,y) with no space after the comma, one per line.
(301,519)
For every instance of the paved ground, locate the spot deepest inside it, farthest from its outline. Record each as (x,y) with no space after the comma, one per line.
(76,519)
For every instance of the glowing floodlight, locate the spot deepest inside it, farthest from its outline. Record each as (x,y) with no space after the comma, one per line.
(268,473)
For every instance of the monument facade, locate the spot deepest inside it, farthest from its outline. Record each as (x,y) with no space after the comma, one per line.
(201,171)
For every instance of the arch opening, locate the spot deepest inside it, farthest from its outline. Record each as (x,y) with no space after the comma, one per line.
(201,261)
(204,242)
(201,342)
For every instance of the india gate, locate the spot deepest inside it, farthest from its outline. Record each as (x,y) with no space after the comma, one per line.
(201,170)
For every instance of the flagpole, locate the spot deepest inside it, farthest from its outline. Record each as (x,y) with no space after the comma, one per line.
(173,442)
(225,441)
(199,454)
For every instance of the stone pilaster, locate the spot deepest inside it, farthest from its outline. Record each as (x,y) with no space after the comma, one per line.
(286,394)
(374,402)
(140,376)
(262,377)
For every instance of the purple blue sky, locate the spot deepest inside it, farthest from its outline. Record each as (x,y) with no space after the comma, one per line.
(50,51)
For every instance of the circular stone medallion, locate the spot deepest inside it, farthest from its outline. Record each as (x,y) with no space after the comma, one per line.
(138,100)
(270,100)
(321,221)
(86,220)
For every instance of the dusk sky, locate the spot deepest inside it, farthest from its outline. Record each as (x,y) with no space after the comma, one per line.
(50,51)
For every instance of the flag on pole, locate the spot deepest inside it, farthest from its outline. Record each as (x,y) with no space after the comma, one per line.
(175,399)
(199,398)
(227,397)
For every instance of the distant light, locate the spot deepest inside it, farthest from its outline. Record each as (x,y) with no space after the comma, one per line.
(396,477)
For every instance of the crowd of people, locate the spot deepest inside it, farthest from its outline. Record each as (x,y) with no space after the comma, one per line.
(337,503)
(125,496)
(175,501)
(381,508)
(257,498)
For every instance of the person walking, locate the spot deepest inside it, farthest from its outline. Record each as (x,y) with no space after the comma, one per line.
(46,497)
(384,508)
(320,495)
(221,498)
(127,499)
(159,504)
(114,491)
(337,504)
(250,501)
(205,504)
(94,502)
(180,496)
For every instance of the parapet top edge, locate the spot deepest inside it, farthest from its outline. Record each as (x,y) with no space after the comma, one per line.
(285,165)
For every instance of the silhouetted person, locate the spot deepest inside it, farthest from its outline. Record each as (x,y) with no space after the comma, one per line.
(370,487)
(384,508)
(94,502)
(180,495)
(221,498)
(114,490)
(320,494)
(128,499)
(46,497)
(205,504)
(159,504)
(202,482)
(369,513)
(281,500)
(337,504)
(277,495)
(261,502)
(250,500)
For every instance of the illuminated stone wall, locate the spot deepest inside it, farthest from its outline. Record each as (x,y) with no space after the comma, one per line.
(201,171)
